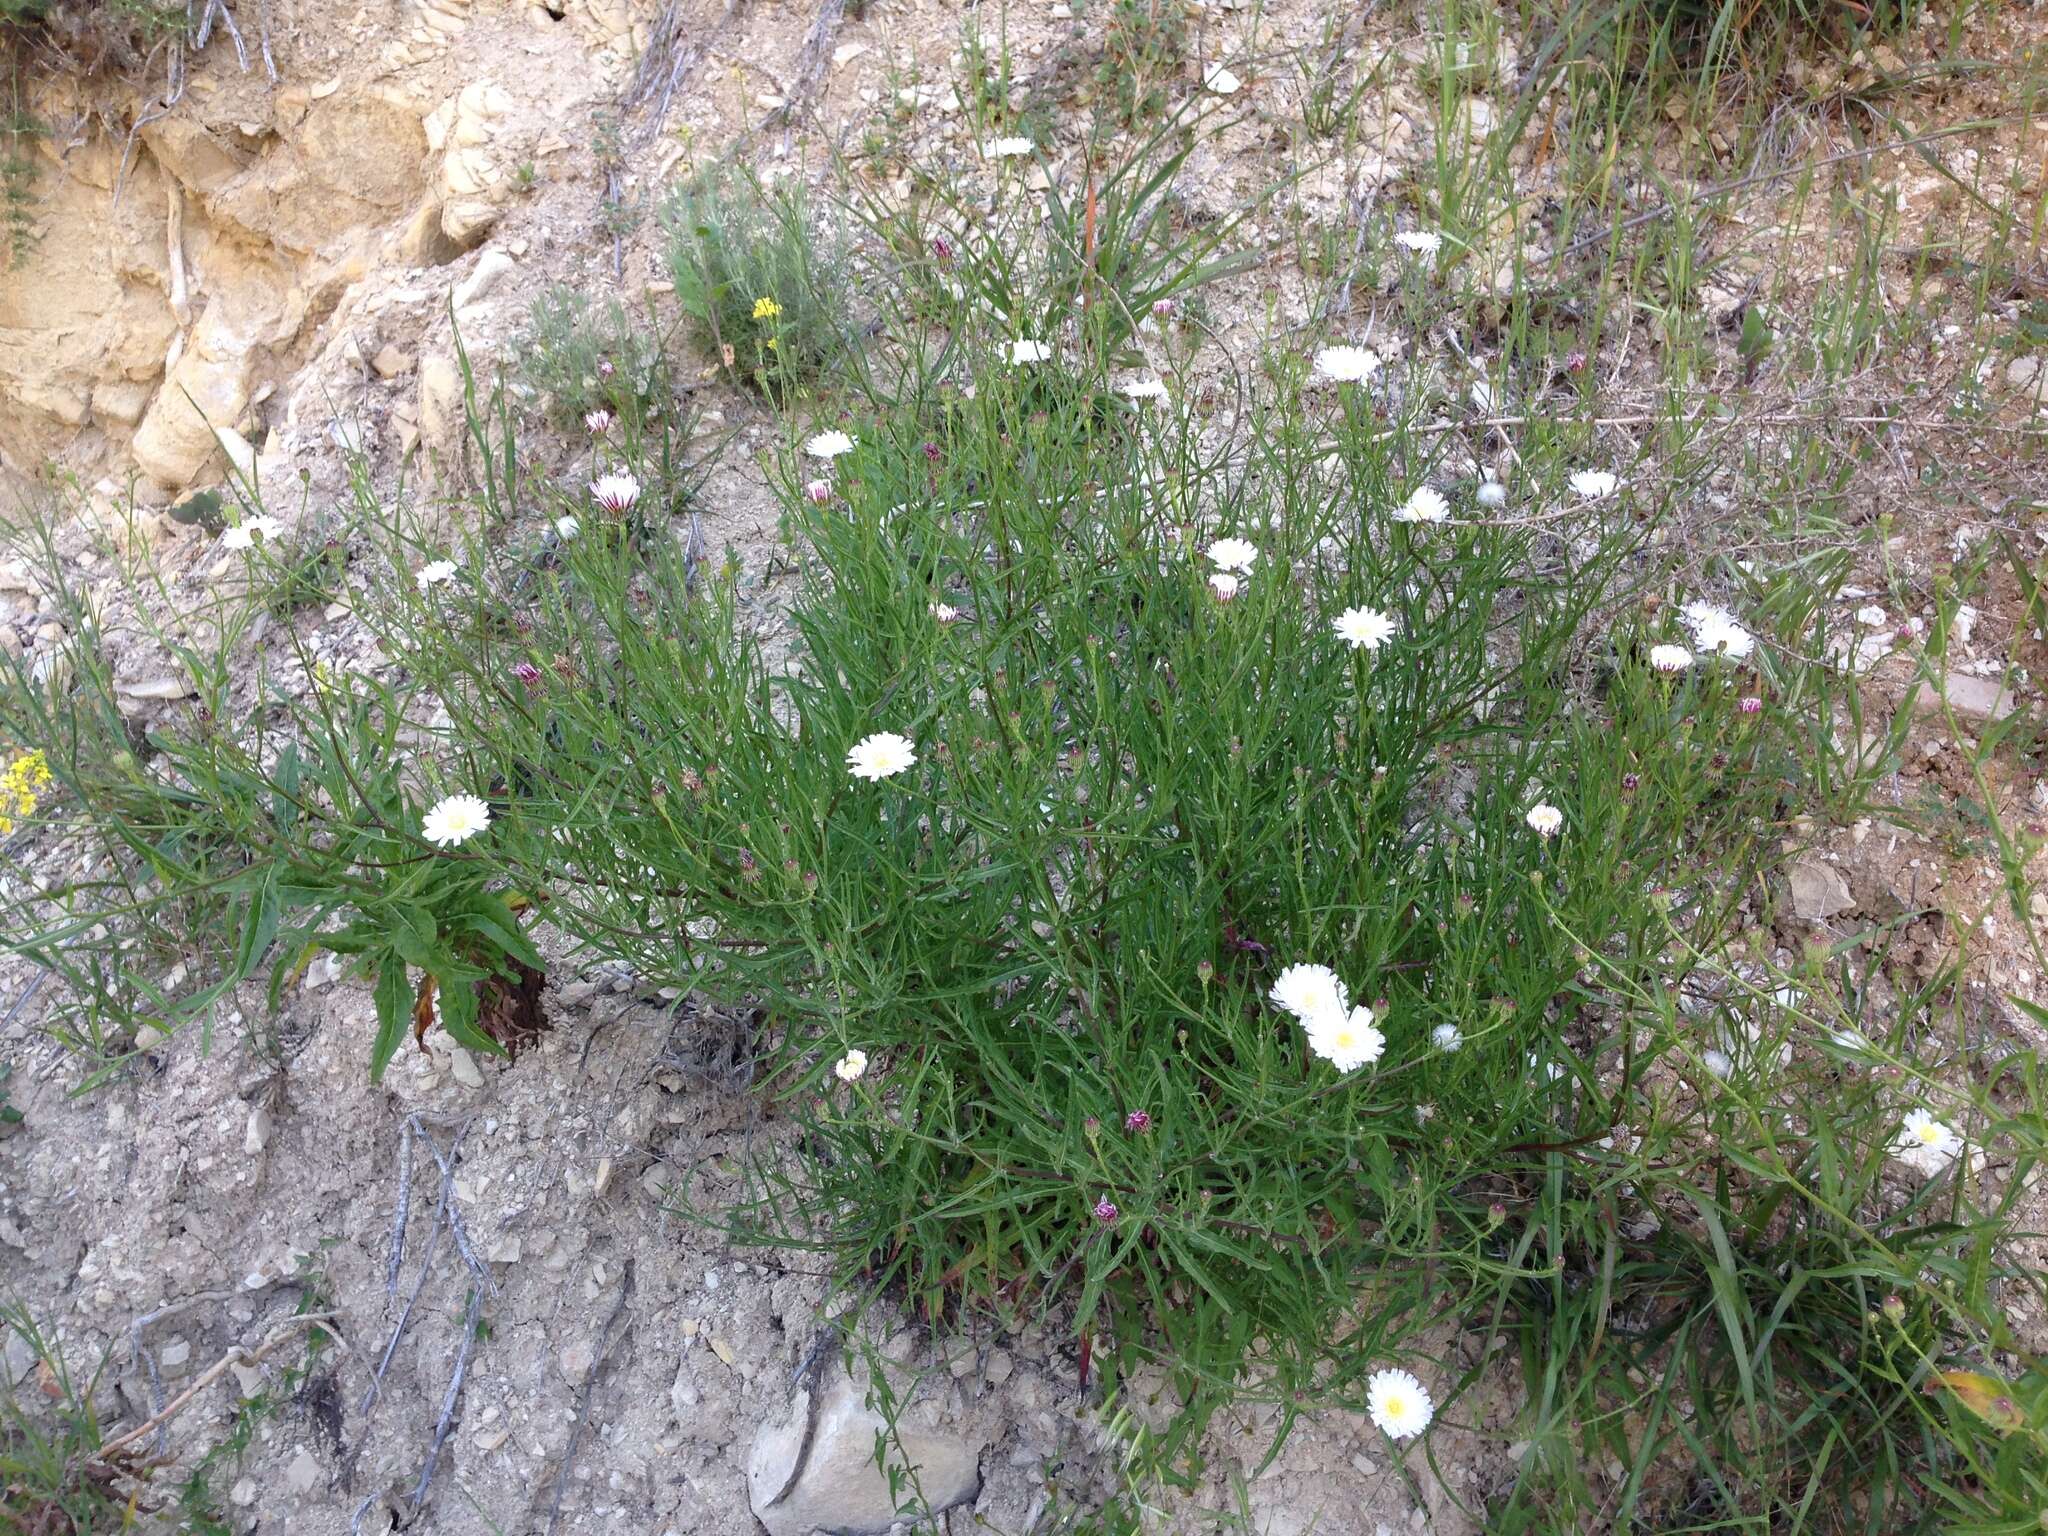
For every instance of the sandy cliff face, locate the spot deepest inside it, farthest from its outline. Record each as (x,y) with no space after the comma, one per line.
(190,264)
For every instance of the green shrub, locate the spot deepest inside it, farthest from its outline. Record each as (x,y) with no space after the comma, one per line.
(579,357)
(764,282)
(1135,802)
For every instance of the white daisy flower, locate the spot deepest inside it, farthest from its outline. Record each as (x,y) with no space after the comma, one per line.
(597,422)
(880,756)
(1310,991)
(851,1067)
(1715,631)
(1225,585)
(243,535)
(1670,658)
(1346,1038)
(567,526)
(435,573)
(455,820)
(1143,389)
(1398,1404)
(1364,629)
(1007,148)
(1594,484)
(617,494)
(945,613)
(1544,819)
(1446,1037)
(1420,241)
(829,445)
(1925,1143)
(1493,494)
(1346,365)
(1028,351)
(1425,504)
(1717,1061)
(1233,555)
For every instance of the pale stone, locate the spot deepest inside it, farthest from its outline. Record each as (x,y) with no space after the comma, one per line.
(491,268)
(303,1473)
(1819,891)
(816,1468)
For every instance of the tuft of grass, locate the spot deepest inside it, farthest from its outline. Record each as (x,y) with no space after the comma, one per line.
(762,279)
(50,1479)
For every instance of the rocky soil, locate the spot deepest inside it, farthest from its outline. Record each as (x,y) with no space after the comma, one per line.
(272,273)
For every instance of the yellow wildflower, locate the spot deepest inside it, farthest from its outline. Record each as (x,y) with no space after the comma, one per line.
(18,786)
(766,309)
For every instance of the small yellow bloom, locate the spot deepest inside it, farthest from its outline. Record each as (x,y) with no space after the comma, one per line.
(766,309)
(18,785)
(771,342)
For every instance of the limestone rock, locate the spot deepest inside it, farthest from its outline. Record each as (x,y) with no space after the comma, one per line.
(816,1469)
(491,268)
(440,413)
(469,132)
(207,390)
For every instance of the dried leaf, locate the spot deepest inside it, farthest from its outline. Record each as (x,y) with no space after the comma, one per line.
(423,1010)
(1989,1398)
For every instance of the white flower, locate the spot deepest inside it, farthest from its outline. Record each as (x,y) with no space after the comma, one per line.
(1493,494)
(455,820)
(597,423)
(1345,1038)
(1594,484)
(1398,1403)
(1446,1037)
(880,755)
(1346,365)
(434,573)
(1233,554)
(567,526)
(1717,1062)
(1028,351)
(1670,658)
(945,613)
(1715,631)
(1224,585)
(1143,389)
(1544,819)
(243,535)
(1364,629)
(1925,1143)
(615,493)
(1007,148)
(1425,504)
(829,445)
(1310,991)
(851,1067)
(1421,241)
